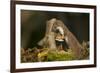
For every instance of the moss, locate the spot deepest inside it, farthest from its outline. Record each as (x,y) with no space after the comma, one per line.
(59,56)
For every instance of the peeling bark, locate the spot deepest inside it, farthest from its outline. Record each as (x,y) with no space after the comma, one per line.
(71,40)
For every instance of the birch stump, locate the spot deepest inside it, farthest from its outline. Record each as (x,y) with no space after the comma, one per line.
(49,39)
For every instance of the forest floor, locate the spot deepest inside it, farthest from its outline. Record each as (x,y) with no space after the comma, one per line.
(46,54)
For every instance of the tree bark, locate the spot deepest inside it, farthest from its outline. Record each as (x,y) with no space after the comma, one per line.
(49,39)
(71,40)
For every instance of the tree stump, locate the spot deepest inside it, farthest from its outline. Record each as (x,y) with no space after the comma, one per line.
(70,39)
